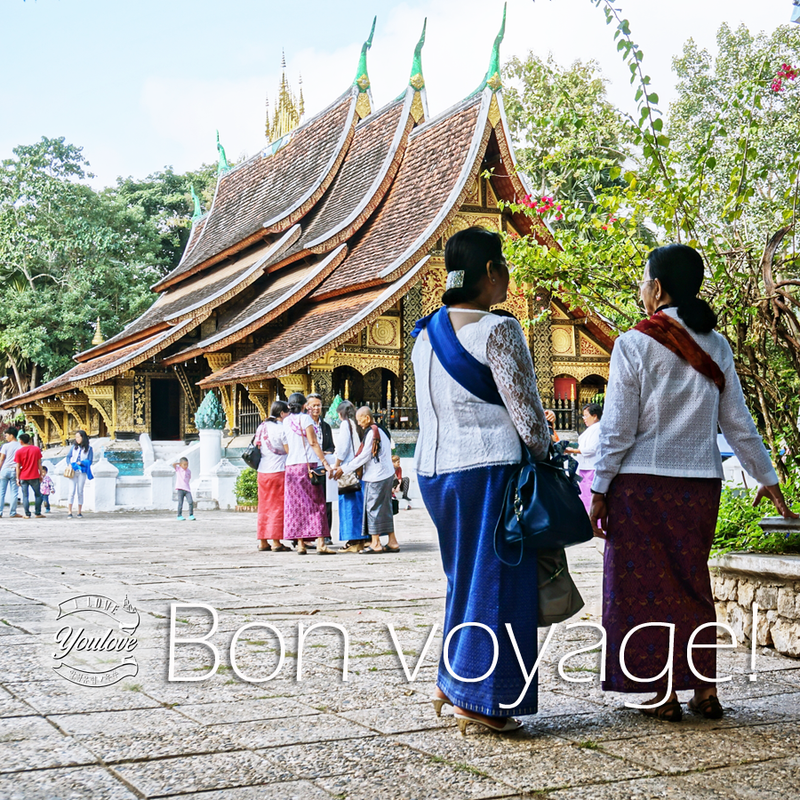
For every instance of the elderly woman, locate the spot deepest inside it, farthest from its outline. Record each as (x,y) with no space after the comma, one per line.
(587,450)
(478,406)
(304,515)
(657,486)
(374,456)
(351,496)
(271,439)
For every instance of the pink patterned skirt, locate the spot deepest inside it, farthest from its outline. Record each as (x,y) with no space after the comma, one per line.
(304,514)
(270,505)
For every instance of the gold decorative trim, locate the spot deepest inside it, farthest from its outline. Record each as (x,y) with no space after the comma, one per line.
(580,371)
(364,363)
(494,110)
(103,400)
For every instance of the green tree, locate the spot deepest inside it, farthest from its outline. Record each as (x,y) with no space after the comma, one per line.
(567,134)
(722,176)
(165,199)
(68,255)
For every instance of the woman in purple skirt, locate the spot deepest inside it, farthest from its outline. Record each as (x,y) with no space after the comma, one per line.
(657,487)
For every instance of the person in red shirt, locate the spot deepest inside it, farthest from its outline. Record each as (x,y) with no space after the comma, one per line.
(28,462)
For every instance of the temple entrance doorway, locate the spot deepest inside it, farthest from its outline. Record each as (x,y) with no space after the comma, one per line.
(165,409)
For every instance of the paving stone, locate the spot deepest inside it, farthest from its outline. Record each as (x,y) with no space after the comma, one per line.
(118,747)
(293,790)
(245,710)
(82,783)
(122,722)
(275,732)
(42,752)
(677,751)
(175,776)
(373,736)
(62,697)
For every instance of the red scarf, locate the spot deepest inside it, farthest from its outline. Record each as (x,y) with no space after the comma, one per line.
(667,331)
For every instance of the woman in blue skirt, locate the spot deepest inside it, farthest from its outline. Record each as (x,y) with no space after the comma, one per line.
(478,406)
(351,498)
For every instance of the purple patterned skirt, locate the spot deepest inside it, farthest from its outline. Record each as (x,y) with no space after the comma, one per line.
(304,514)
(660,532)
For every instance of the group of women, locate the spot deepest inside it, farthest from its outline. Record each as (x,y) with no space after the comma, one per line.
(654,492)
(291,502)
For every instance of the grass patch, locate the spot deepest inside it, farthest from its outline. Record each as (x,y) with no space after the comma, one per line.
(132,687)
(589,744)
(458,766)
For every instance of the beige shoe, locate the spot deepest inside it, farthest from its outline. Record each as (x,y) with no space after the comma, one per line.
(356,547)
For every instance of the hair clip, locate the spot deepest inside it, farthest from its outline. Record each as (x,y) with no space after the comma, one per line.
(455,279)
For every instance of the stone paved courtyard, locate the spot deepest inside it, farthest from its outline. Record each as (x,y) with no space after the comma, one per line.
(372,736)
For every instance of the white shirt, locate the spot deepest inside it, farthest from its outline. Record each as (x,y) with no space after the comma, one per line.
(346,440)
(459,431)
(588,444)
(373,471)
(661,414)
(8,450)
(300,451)
(271,462)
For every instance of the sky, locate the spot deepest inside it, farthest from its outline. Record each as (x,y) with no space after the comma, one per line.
(144,84)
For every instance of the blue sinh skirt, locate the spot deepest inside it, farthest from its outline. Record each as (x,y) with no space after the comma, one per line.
(351,512)
(465,507)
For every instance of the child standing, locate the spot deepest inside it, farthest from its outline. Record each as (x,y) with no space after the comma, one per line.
(182,477)
(47,487)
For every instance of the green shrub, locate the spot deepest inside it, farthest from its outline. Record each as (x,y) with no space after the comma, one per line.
(737,524)
(246,487)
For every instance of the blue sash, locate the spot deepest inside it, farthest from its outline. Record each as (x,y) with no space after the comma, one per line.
(459,364)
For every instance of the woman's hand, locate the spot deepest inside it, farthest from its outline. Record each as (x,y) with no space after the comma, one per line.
(598,512)
(775,494)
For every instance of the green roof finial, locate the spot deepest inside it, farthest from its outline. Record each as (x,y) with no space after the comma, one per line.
(362,79)
(417,81)
(492,79)
(223,165)
(198,212)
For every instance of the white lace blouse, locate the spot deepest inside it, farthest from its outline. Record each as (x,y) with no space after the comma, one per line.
(459,431)
(661,414)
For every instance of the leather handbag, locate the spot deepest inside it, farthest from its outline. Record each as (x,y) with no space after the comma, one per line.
(317,475)
(252,454)
(559,598)
(542,508)
(68,472)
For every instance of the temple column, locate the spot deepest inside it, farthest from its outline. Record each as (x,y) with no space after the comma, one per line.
(541,344)
(101,398)
(260,396)
(412,311)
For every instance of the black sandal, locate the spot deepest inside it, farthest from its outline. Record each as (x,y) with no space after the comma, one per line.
(670,711)
(710,708)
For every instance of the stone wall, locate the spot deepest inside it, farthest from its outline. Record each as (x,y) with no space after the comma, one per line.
(773,584)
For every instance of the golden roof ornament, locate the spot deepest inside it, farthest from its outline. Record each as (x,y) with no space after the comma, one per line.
(288,109)
(98,334)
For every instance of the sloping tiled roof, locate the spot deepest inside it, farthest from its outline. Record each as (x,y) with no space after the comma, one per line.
(283,289)
(362,181)
(315,329)
(203,290)
(269,193)
(442,158)
(105,367)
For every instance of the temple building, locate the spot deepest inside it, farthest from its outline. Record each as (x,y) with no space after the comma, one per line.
(311,266)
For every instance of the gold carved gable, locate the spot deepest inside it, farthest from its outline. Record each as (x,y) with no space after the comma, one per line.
(590,348)
(384,332)
(557,313)
(491,197)
(563,340)
(473,197)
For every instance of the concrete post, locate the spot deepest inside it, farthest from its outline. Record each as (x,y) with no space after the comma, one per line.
(223,483)
(162,481)
(63,484)
(210,455)
(101,492)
